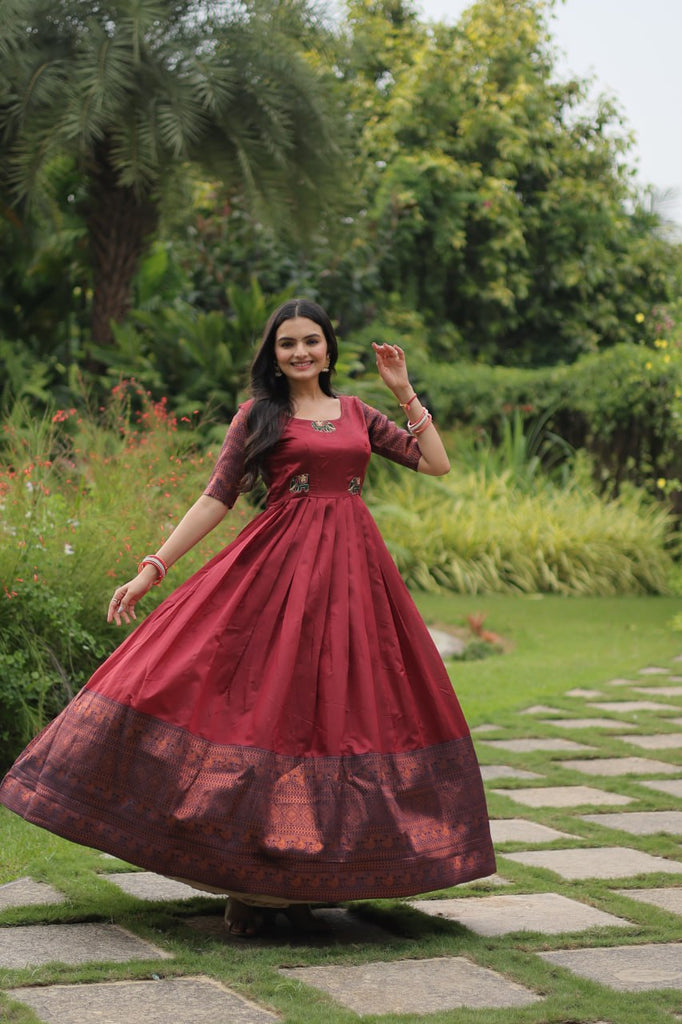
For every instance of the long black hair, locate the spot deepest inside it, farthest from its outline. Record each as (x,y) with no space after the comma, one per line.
(272,402)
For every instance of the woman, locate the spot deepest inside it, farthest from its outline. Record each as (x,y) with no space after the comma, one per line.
(281,727)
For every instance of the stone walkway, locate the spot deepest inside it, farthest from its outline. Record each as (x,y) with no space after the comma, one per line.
(607,808)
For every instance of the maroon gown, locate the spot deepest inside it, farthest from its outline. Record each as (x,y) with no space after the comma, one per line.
(282,723)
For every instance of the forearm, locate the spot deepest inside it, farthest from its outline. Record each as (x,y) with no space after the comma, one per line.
(198,521)
(434,458)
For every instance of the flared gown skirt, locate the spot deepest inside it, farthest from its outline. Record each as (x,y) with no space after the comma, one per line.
(282,724)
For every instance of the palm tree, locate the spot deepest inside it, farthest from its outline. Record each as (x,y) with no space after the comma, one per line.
(133,90)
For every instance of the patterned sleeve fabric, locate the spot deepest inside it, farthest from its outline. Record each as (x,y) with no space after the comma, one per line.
(390,440)
(229,469)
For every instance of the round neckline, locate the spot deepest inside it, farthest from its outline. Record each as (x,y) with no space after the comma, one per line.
(321,419)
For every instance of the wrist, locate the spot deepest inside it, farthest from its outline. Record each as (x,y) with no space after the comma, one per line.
(153,568)
(403,394)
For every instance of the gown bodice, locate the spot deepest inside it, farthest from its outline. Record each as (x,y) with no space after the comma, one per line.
(315,458)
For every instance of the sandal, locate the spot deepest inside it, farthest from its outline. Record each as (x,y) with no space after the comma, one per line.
(241,920)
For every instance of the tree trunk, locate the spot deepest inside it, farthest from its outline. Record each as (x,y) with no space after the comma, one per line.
(120,222)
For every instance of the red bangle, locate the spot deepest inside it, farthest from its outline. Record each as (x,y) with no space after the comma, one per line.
(159,565)
(406,405)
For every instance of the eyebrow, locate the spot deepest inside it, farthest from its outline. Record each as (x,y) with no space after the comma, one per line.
(289,337)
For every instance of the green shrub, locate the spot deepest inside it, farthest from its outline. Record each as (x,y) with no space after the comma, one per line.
(45,657)
(471,534)
(82,499)
(621,405)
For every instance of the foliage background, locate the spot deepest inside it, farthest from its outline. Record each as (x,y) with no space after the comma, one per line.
(439,187)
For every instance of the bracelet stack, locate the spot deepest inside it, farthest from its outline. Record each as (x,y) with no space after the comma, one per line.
(159,565)
(422,423)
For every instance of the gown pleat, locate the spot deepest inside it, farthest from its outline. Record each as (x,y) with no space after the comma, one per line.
(282,723)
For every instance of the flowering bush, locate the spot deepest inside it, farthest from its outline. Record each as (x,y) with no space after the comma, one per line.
(83,497)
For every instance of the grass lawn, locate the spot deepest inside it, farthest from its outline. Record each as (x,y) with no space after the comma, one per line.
(557,644)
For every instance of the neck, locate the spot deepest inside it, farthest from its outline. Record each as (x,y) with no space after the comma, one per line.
(308,391)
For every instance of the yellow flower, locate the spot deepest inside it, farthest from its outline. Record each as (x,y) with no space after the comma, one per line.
(661,343)
(660,483)
(648,365)
(666,358)
(639,318)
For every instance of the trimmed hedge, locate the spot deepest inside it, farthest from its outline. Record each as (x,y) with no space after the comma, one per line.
(623,406)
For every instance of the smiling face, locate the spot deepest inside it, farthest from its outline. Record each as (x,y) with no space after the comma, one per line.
(301,350)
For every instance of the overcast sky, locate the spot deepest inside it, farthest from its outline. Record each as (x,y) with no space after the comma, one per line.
(632,47)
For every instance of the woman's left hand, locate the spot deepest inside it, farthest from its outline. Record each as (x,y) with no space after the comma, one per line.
(392,366)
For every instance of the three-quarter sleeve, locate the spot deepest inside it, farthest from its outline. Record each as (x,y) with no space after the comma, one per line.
(229,469)
(390,440)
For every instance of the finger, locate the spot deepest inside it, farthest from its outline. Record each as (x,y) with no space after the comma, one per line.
(121,613)
(116,607)
(112,608)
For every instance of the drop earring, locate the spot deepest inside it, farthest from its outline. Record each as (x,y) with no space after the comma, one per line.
(278,372)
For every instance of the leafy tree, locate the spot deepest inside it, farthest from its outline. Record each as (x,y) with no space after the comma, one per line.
(495,201)
(130,90)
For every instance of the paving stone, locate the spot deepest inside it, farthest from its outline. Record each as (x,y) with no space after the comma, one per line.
(653,670)
(187,1000)
(485,883)
(563,796)
(666,899)
(146,885)
(449,646)
(25,892)
(623,766)
(621,682)
(527,746)
(589,723)
(31,945)
(632,705)
(640,823)
(505,771)
(675,679)
(625,968)
(542,709)
(673,721)
(659,741)
(579,692)
(673,787)
(518,830)
(345,928)
(545,912)
(414,986)
(598,862)
(661,691)
(487,727)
